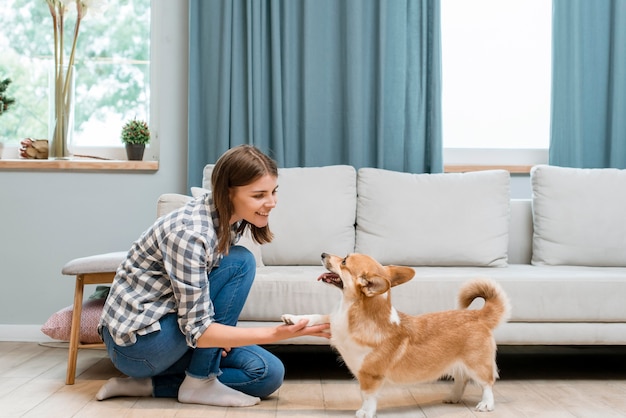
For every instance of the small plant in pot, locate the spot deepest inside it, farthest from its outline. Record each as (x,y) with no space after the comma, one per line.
(5,102)
(135,136)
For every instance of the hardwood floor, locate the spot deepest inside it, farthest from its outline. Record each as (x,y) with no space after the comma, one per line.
(535,382)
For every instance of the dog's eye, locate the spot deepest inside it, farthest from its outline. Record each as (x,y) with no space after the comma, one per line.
(343,262)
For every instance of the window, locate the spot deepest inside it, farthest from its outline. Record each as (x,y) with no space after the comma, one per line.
(496,57)
(112,71)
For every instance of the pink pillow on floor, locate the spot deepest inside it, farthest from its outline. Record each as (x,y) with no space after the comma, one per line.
(58,326)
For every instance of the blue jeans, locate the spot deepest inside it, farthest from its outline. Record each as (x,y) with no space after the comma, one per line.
(165,357)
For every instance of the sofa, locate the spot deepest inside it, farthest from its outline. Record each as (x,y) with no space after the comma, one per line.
(560,256)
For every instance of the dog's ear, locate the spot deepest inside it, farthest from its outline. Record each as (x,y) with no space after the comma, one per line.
(373,285)
(399,274)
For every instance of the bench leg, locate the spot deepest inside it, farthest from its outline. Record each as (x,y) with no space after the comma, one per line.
(75,331)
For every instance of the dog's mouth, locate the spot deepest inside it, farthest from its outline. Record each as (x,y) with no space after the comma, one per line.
(331,278)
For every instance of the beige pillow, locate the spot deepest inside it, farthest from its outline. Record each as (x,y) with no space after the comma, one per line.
(452,219)
(578,216)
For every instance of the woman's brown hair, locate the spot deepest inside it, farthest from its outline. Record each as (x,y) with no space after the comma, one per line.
(239,166)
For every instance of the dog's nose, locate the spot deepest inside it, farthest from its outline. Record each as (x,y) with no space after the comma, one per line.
(324,255)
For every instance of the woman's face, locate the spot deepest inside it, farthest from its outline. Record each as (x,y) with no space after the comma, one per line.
(255,201)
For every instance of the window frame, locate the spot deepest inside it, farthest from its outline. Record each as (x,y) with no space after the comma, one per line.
(515,159)
(98,154)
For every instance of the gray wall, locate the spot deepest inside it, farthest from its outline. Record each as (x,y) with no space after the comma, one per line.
(520,186)
(49,218)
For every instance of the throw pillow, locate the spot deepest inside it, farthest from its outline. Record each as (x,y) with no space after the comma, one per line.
(451,219)
(58,326)
(578,216)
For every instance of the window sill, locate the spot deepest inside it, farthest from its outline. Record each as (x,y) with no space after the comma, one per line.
(513,169)
(76,164)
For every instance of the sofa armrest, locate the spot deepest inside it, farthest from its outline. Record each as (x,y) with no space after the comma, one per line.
(101,263)
(171,201)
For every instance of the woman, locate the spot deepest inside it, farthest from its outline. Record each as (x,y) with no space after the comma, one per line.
(169,320)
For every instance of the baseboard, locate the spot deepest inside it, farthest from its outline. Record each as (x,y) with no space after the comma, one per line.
(23,333)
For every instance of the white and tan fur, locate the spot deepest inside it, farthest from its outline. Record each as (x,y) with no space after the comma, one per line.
(380,344)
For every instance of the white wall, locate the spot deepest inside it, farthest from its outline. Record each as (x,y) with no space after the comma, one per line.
(49,218)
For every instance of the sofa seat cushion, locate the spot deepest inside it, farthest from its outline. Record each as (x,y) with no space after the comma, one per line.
(451,219)
(537,293)
(288,289)
(578,216)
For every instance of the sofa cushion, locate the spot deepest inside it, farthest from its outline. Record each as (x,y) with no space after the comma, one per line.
(315,213)
(537,293)
(288,289)
(206,176)
(452,219)
(578,216)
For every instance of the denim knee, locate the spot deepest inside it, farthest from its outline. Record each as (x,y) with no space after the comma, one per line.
(252,370)
(244,254)
(274,377)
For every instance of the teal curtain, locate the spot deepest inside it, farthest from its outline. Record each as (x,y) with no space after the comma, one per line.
(589,84)
(316,82)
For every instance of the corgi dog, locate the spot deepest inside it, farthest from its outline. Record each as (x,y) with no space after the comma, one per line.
(379,344)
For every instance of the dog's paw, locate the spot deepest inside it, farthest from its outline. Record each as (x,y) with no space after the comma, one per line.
(484,407)
(289,319)
(313,319)
(451,399)
(361,413)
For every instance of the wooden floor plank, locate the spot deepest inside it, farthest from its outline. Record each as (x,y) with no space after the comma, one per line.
(536,382)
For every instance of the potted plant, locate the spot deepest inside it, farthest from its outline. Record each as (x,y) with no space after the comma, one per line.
(5,102)
(135,136)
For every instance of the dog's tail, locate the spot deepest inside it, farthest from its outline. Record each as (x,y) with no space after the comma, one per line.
(497,308)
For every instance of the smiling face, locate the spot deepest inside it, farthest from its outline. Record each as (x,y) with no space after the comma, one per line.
(254,202)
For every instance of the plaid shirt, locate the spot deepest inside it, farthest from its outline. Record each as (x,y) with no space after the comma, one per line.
(166,271)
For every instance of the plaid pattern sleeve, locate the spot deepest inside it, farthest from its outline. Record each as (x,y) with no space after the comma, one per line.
(185,261)
(166,271)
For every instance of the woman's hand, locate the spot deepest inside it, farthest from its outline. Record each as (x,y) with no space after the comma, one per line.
(226,336)
(300,329)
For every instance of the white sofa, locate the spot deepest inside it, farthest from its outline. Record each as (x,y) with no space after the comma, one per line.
(561,257)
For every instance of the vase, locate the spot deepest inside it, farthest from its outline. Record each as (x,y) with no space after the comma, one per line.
(61,112)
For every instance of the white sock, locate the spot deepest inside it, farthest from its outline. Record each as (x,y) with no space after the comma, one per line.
(212,392)
(125,386)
